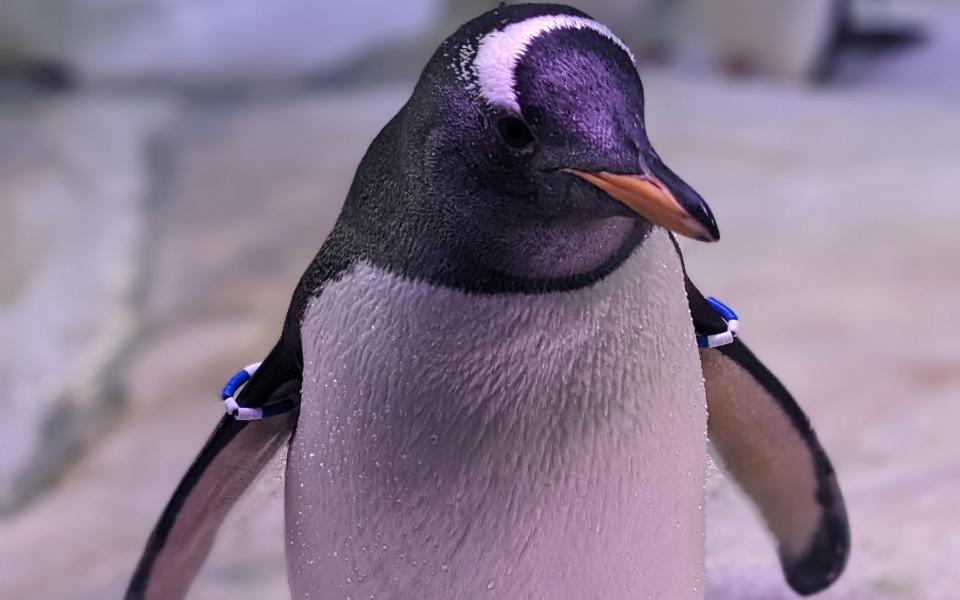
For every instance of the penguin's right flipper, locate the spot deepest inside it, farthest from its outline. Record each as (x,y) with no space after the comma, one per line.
(767,444)
(229,462)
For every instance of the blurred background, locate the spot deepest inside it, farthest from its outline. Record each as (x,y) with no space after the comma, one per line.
(169,167)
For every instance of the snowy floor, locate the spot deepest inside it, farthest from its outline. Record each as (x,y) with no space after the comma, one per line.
(838,209)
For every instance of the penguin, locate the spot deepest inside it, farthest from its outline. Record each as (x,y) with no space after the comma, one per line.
(499,391)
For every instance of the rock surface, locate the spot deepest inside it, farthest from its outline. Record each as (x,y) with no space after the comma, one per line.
(195,41)
(72,219)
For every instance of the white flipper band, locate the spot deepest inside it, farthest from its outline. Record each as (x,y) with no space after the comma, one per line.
(724,337)
(232,389)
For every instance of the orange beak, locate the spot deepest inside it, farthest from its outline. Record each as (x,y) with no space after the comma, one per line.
(683,212)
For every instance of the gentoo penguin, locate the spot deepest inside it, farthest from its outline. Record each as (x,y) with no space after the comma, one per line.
(493,355)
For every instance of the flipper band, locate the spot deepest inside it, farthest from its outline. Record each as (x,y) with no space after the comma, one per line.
(237,381)
(725,337)
(246,413)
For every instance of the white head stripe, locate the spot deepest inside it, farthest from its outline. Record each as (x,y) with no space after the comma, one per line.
(498,53)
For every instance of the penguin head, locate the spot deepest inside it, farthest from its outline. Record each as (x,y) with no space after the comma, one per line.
(523,150)
(542,108)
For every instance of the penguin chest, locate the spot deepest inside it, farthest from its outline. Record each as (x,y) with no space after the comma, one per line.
(455,445)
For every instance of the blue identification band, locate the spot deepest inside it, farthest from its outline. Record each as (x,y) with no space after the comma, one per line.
(724,337)
(247,413)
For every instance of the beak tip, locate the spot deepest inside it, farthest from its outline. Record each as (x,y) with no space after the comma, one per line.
(712,235)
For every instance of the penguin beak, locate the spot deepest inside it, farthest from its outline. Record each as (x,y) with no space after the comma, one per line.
(659,196)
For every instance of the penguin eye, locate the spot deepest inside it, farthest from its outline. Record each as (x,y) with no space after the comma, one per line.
(515,132)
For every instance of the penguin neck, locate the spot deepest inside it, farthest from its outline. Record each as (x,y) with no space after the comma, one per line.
(559,250)
(509,255)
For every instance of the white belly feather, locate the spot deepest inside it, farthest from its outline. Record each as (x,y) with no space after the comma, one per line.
(459,446)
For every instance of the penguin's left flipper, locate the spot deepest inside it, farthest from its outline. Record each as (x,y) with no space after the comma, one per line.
(767,444)
(229,462)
